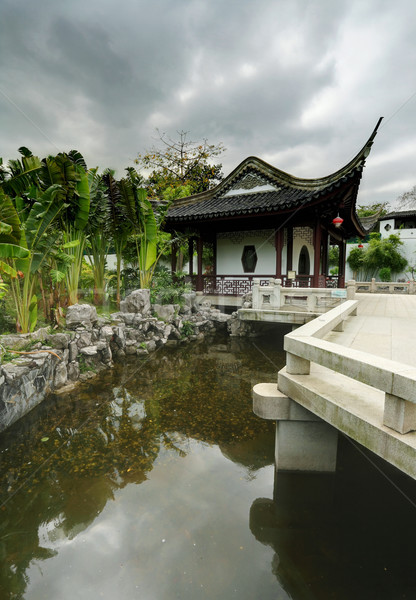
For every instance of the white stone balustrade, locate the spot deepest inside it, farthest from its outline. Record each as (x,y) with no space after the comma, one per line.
(274,296)
(396,380)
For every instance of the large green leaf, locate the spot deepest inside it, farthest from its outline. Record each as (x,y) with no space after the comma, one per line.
(21,175)
(9,217)
(33,313)
(83,194)
(13,251)
(41,215)
(6,268)
(5,228)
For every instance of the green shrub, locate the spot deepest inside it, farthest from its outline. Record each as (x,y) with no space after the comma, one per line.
(385,274)
(168,289)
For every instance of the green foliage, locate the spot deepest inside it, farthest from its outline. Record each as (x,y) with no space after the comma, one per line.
(381,208)
(188,329)
(333,256)
(385,274)
(356,261)
(168,289)
(84,365)
(379,254)
(181,162)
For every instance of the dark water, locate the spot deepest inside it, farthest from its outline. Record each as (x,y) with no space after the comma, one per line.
(157,482)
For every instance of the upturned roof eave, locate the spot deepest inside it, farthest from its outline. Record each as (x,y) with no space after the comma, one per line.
(281,177)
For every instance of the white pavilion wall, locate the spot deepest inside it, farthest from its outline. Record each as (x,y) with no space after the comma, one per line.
(230,247)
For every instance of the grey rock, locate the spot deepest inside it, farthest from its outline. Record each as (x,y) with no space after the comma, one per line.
(106,333)
(89,351)
(84,339)
(165,312)
(73,351)
(61,375)
(151,345)
(80,314)
(136,302)
(73,371)
(58,340)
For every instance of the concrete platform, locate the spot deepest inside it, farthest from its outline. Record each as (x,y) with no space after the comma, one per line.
(385,326)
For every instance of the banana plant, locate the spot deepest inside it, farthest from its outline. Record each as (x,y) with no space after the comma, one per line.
(98,238)
(69,172)
(36,238)
(121,215)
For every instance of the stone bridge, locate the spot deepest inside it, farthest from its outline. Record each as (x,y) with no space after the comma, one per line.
(350,370)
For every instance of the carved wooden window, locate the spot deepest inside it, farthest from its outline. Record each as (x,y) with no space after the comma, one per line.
(249,259)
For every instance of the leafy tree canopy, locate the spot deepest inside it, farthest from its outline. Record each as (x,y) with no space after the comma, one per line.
(372,209)
(181,163)
(380,254)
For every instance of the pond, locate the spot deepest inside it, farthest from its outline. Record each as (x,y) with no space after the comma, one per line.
(156,481)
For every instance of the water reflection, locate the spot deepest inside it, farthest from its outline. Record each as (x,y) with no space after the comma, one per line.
(67,459)
(155,482)
(341,536)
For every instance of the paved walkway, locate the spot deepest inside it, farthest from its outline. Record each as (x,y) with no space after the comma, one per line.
(385,325)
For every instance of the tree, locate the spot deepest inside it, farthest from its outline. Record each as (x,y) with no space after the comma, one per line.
(181,162)
(69,171)
(356,261)
(381,258)
(379,208)
(36,237)
(97,232)
(407,200)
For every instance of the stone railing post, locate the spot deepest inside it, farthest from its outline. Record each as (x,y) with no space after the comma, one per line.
(351,289)
(411,289)
(277,288)
(255,290)
(373,286)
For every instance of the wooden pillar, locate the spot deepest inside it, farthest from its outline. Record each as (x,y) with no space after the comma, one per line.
(324,245)
(191,255)
(278,242)
(289,258)
(214,266)
(317,253)
(341,265)
(199,279)
(174,257)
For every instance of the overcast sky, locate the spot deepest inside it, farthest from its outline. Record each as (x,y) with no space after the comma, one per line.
(298,83)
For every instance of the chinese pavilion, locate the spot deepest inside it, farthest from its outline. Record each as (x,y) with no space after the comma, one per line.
(262,222)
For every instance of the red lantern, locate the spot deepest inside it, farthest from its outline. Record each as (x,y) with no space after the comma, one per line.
(337,221)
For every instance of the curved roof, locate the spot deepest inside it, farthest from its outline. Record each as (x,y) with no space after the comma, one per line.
(256,187)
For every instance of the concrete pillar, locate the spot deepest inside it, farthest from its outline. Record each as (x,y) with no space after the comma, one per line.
(303,441)
(295,365)
(399,414)
(309,445)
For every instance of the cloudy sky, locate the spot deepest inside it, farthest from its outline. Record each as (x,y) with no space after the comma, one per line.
(298,83)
